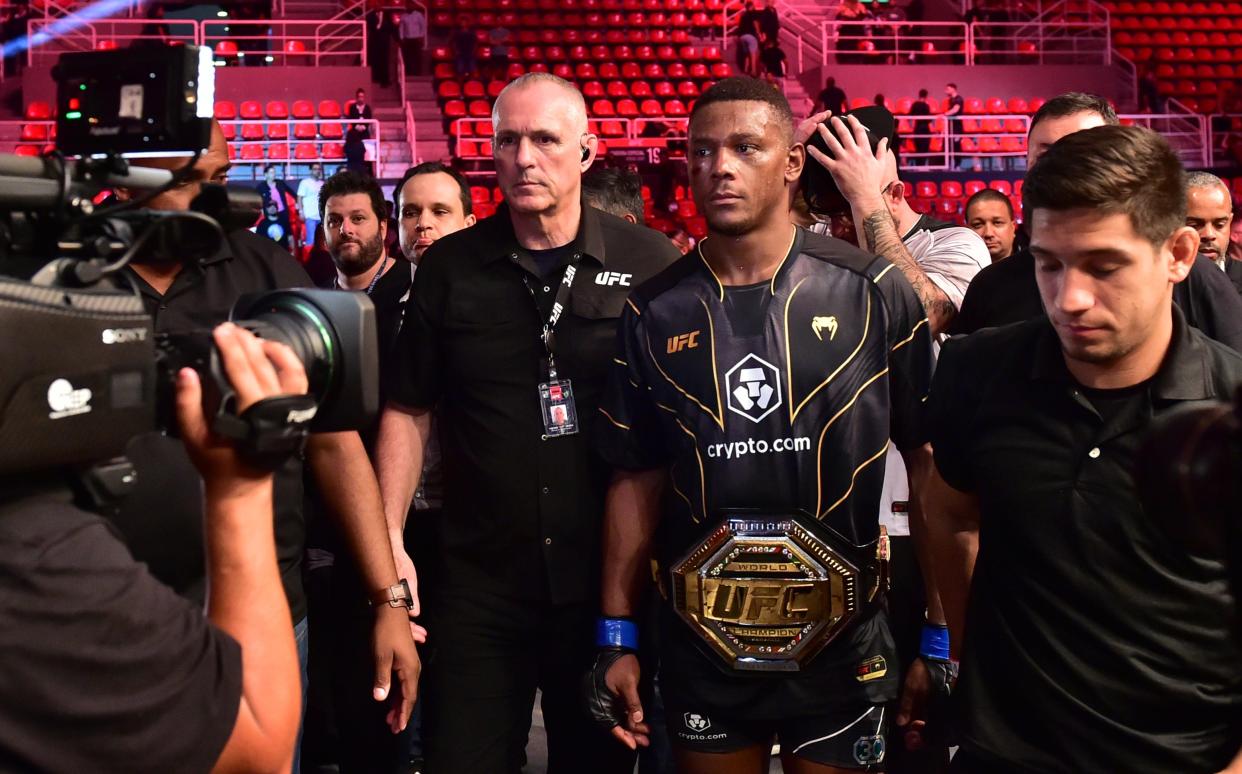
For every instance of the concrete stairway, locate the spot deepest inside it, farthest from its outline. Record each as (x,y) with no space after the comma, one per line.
(433,142)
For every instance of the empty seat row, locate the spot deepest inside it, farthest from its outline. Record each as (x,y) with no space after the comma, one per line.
(637,19)
(1178,39)
(590,89)
(1190,24)
(302,131)
(1208,54)
(251,109)
(556,6)
(1174,9)
(599,53)
(607,71)
(952,189)
(570,33)
(302,151)
(973,106)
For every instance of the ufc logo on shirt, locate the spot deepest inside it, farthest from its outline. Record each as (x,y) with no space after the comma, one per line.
(613,278)
(684,341)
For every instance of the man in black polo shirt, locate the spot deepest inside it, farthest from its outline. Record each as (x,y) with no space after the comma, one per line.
(1005,292)
(758,380)
(523,491)
(162,517)
(1093,642)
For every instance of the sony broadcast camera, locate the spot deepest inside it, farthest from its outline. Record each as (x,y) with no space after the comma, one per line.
(83,369)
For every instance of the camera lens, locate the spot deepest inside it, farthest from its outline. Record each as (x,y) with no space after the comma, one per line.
(304,329)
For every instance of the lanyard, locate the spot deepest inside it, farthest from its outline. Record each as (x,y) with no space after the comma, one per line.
(378,274)
(558,306)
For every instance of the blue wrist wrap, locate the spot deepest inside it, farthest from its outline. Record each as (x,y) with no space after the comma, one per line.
(935,642)
(616,633)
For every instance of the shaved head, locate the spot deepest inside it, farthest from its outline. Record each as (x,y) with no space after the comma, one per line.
(567,96)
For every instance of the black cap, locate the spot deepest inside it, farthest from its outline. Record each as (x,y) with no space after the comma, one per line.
(820,190)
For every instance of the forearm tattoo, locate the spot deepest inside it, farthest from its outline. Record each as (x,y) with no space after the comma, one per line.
(880,231)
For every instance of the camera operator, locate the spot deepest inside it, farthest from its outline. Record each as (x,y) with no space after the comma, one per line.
(161,518)
(96,646)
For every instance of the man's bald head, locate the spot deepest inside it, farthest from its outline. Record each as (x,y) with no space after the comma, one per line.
(212,167)
(559,93)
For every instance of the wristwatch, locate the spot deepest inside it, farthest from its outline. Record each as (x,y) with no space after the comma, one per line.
(396,595)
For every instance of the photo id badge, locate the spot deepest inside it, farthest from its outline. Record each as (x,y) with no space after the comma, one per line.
(556,400)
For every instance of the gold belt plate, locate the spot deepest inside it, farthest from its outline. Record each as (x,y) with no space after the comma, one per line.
(766,594)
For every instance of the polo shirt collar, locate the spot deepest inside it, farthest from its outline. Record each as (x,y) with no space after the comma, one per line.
(1185,373)
(589,240)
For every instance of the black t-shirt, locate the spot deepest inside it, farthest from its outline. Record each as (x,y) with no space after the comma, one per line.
(921,108)
(769,22)
(522,511)
(548,261)
(104,668)
(748,23)
(833,99)
(162,518)
(1094,641)
(956,102)
(1006,292)
(773,59)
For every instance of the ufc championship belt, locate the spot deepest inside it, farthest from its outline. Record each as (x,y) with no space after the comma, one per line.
(766,593)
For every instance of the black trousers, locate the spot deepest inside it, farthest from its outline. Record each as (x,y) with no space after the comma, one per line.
(486,655)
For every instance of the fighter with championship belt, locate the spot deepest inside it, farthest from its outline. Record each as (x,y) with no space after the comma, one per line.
(756,386)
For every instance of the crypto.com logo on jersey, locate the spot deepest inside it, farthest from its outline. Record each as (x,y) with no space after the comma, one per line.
(753,387)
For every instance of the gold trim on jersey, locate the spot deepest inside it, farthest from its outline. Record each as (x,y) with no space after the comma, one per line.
(635,308)
(909,338)
(788,358)
(620,362)
(862,340)
(819,450)
(698,457)
(651,353)
(876,278)
(854,479)
(788,250)
(699,251)
(711,336)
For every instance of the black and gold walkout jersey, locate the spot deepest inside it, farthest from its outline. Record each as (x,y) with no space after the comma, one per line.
(781,397)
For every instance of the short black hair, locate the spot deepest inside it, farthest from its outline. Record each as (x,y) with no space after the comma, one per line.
(1125,170)
(1072,103)
(615,191)
(988,195)
(431,168)
(922,93)
(268,167)
(742,88)
(952,86)
(351,182)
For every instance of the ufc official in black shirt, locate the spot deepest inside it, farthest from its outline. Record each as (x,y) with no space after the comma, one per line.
(1005,292)
(513,607)
(764,373)
(1094,641)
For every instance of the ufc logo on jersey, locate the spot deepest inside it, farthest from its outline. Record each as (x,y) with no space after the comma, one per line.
(684,341)
(613,278)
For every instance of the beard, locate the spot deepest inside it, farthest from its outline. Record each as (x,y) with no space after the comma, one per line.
(367,256)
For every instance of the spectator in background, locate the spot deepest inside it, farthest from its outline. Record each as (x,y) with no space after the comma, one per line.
(850,36)
(832,98)
(1150,100)
(769,22)
(990,214)
(155,31)
(922,130)
(413,31)
(774,59)
(953,109)
(499,61)
(881,101)
(275,206)
(1235,236)
(615,191)
(1209,211)
(14,27)
(465,42)
(380,33)
(308,205)
(355,148)
(748,40)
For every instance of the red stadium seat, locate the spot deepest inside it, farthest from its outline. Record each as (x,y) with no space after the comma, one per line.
(230,131)
(675,107)
(34,133)
(951,189)
(304,131)
(225,110)
(653,71)
(903,106)
(106,45)
(602,107)
(333,150)
(627,108)
(277,131)
(1036,104)
(1002,186)
(278,152)
(251,153)
(585,71)
(251,110)
(277,109)
(618,89)
(331,131)
(480,108)
(640,90)
(688,89)
(227,49)
(455,108)
(721,70)
(26,150)
(946,208)
(592,89)
(304,151)
(997,106)
(974,106)
(473,90)
(295,47)
(651,107)
(302,108)
(973,187)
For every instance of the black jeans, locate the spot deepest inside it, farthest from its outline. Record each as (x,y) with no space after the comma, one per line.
(486,655)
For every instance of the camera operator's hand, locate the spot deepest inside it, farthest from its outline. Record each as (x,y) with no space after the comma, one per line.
(257,369)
